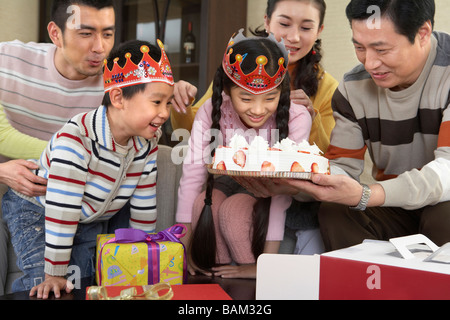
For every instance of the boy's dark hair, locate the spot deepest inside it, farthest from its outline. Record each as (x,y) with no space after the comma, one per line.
(59,13)
(407,15)
(203,242)
(134,48)
(306,69)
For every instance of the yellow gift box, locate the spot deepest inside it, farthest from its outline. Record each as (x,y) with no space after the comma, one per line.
(133,257)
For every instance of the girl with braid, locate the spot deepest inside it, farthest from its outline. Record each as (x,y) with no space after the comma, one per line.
(228,228)
(300,24)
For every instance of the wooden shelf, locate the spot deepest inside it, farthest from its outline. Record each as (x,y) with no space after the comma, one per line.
(213,25)
(185,65)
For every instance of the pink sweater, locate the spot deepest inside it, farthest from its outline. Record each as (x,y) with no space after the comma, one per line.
(194,171)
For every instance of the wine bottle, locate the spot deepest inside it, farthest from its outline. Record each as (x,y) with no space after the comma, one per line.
(189,45)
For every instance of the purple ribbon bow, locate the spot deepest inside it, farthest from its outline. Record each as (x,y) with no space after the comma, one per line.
(174,234)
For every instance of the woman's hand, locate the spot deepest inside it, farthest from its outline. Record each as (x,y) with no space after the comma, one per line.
(300,97)
(184,94)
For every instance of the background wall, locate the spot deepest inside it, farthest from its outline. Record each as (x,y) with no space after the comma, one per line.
(339,54)
(19,20)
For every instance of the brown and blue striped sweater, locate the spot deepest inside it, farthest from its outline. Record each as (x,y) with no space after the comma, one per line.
(407,133)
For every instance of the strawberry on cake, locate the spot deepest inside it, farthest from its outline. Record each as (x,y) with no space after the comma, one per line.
(284,156)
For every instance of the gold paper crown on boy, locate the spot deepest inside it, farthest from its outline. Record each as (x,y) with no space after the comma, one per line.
(148,70)
(258,81)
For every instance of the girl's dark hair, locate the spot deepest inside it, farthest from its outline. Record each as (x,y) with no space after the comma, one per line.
(59,13)
(134,48)
(307,69)
(407,15)
(203,241)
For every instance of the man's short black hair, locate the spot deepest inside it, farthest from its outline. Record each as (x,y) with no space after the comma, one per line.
(59,13)
(408,16)
(134,48)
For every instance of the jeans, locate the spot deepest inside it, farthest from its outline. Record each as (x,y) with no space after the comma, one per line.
(4,240)
(26,224)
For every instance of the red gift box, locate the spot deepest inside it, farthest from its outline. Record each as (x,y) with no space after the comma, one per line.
(180,292)
(373,270)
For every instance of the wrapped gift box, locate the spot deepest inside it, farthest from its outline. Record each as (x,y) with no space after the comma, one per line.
(406,268)
(132,257)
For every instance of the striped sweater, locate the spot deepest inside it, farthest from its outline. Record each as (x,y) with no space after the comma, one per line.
(37,99)
(407,133)
(88,180)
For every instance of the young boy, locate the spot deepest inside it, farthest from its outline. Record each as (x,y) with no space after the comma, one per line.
(95,164)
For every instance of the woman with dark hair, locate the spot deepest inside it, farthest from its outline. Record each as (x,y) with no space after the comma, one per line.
(300,23)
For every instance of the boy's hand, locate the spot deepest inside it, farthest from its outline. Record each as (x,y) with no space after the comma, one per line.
(51,283)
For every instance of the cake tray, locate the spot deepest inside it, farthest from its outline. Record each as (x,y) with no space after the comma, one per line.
(261,174)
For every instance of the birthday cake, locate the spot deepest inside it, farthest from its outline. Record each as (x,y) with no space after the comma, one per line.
(284,157)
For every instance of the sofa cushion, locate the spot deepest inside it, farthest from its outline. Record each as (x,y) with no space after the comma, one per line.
(167,183)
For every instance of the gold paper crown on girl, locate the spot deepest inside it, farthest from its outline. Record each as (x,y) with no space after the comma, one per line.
(148,70)
(258,81)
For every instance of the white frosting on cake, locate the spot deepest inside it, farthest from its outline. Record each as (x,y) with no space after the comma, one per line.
(238,142)
(284,156)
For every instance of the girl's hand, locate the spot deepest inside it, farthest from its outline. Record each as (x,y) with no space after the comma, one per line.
(51,283)
(246,271)
(299,97)
(193,269)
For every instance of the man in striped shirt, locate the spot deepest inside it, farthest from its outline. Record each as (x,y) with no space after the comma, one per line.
(43,85)
(95,164)
(396,106)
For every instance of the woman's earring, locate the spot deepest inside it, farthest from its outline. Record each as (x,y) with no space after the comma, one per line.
(314,52)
